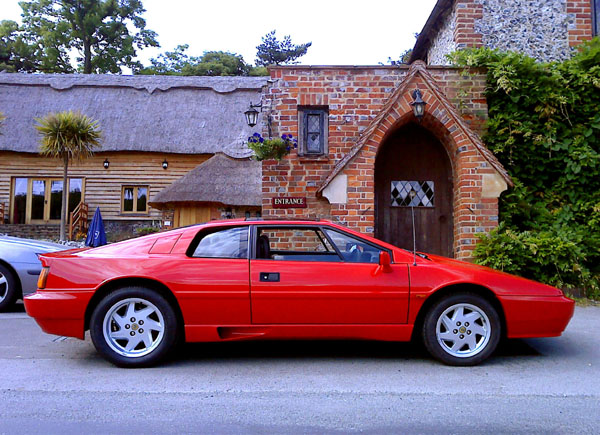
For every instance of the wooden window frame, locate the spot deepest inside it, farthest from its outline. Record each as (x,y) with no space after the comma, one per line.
(28,204)
(135,211)
(303,112)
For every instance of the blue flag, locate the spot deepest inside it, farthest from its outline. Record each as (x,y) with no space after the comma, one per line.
(96,235)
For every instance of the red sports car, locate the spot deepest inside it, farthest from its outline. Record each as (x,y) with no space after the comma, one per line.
(245,280)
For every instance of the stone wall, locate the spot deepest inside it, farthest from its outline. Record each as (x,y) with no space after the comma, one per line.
(443,42)
(544,29)
(535,28)
(355,97)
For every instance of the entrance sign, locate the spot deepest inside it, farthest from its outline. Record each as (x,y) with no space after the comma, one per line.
(289,202)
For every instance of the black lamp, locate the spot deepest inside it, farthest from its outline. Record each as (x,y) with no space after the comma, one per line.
(106,164)
(165,164)
(252,114)
(418,104)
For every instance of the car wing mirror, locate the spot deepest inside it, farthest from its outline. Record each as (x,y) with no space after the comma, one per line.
(385,262)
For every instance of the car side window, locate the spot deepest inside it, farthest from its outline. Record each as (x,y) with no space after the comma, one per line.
(225,243)
(353,249)
(294,244)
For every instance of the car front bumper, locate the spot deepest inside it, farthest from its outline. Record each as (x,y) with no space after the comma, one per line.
(537,316)
(59,312)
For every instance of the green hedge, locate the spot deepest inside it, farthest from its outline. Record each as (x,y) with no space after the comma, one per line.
(544,126)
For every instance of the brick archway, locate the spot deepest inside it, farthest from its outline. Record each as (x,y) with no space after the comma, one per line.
(474,167)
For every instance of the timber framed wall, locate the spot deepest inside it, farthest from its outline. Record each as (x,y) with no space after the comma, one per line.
(103,187)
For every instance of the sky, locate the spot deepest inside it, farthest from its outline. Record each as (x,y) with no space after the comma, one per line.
(346,32)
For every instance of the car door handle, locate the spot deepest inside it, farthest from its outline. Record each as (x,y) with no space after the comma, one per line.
(269,276)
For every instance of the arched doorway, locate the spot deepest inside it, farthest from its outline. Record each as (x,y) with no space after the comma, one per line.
(413,169)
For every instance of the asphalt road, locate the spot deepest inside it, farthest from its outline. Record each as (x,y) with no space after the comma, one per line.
(50,384)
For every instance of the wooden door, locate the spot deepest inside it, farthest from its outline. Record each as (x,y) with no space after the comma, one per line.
(190,214)
(413,170)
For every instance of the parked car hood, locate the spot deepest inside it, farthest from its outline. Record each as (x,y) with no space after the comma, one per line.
(33,244)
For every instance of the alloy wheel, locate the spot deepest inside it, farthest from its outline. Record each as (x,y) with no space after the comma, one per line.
(463,330)
(133,327)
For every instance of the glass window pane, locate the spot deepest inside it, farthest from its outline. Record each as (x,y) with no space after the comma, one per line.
(75,192)
(56,190)
(412,193)
(20,200)
(229,243)
(313,143)
(142,193)
(314,123)
(354,250)
(128,199)
(38,195)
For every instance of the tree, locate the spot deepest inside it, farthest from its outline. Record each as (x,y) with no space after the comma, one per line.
(16,53)
(274,52)
(403,59)
(106,33)
(67,136)
(211,63)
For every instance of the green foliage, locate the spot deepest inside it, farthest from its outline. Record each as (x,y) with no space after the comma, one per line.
(211,63)
(544,126)
(144,231)
(268,149)
(274,52)
(16,53)
(106,33)
(70,134)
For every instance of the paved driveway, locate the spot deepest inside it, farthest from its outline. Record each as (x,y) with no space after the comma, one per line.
(51,384)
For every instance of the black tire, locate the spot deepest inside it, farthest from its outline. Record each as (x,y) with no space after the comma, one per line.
(9,288)
(461,329)
(113,330)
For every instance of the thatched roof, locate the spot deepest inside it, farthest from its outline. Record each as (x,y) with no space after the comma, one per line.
(172,114)
(219,179)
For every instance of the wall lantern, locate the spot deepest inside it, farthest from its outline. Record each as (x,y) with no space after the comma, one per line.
(418,104)
(106,164)
(252,114)
(165,164)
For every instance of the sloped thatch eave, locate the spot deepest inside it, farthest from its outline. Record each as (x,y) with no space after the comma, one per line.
(218,180)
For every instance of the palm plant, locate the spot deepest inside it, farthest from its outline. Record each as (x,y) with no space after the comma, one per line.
(67,136)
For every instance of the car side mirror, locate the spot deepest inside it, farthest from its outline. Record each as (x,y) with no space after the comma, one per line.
(385,262)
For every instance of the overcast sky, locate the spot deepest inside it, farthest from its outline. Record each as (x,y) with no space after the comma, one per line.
(346,32)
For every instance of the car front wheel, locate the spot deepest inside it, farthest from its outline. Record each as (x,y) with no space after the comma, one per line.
(461,329)
(134,327)
(8,288)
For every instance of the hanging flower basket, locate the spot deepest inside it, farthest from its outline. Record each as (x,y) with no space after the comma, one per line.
(267,149)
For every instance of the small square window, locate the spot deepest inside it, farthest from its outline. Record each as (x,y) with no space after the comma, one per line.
(134,199)
(313,125)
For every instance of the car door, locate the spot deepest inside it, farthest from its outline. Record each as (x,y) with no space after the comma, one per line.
(314,275)
(212,284)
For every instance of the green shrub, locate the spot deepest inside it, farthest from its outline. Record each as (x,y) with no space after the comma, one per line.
(544,126)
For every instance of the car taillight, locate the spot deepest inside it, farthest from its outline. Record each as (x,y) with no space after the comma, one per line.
(43,277)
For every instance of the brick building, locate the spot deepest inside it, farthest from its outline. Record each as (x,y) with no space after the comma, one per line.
(362,153)
(544,29)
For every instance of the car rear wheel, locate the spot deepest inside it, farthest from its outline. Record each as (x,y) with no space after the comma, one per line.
(134,327)
(461,329)
(8,288)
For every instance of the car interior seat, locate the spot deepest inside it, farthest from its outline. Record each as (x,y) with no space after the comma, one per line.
(264,249)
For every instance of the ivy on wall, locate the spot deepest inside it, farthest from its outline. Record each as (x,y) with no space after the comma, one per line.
(544,126)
